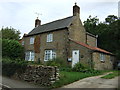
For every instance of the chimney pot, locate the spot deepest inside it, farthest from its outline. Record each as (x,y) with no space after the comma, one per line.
(76,10)
(37,22)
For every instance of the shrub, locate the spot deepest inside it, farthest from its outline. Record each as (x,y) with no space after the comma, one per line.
(79,67)
(56,62)
(9,67)
(82,68)
(12,49)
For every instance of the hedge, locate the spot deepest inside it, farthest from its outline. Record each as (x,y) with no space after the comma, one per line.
(9,67)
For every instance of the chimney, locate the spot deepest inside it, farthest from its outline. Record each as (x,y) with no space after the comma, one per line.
(37,22)
(76,10)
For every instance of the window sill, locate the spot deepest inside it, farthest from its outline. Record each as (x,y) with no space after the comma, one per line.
(102,61)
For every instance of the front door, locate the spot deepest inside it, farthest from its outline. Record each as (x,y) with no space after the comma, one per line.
(75,57)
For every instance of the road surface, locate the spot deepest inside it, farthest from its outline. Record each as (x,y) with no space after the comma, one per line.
(94,82)
(11,83)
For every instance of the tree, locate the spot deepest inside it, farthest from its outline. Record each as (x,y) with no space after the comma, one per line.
(90,24)
(110,19)
(10,33)
(12,49)
(108,31)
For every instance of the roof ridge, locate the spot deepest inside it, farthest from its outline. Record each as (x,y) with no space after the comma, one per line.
(56,20)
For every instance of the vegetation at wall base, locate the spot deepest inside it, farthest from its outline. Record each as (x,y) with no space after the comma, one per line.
(112,75)
(10,66)
(59,62)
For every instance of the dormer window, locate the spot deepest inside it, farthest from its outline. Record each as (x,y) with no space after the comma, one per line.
(32,40)
(49,37)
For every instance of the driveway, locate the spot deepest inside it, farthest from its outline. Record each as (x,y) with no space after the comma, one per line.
(94,82)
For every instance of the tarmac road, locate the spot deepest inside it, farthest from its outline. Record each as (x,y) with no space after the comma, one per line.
(11,83)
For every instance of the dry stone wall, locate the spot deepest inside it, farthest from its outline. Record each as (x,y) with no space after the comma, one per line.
(43,75)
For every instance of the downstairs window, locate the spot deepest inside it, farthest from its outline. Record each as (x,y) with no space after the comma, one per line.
(49,54)
(29,56)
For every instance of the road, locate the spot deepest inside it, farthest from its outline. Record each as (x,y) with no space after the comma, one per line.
(11,83)
(94,82)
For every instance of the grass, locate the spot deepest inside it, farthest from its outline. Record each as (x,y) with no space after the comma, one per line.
(111,75)
(69,77)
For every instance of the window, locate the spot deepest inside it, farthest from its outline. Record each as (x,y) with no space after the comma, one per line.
(49,37)
(32,40)
(23,42)
(102,57)
(29,56)
(49,54)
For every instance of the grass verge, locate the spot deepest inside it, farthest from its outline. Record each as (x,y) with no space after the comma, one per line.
(111,75)
(69,77)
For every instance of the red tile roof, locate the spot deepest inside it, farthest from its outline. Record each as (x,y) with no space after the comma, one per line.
(92,48)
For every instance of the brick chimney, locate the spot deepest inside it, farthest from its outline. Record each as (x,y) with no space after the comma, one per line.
(37,22)
(76,10)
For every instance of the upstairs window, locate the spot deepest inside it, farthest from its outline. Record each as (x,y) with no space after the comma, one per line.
(49,54)
(49,37)
(32,40)
(29,56)
(102,57)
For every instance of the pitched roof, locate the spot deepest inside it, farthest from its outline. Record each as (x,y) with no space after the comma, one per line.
(55,25)
(92,48)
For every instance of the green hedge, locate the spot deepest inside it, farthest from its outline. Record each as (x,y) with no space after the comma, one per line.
(12,49)
(9,67)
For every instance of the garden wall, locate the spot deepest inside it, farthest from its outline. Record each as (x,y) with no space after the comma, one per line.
(43,75)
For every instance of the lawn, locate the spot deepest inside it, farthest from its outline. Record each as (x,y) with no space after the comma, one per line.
(111,75)
(69,77)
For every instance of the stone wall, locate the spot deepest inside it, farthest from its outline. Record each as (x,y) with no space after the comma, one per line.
(43,75)
(91,41)
(99,65)
(85,53)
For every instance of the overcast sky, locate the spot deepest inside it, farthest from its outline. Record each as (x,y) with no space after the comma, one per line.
(20,14)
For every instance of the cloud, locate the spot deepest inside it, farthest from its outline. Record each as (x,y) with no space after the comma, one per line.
(21,14)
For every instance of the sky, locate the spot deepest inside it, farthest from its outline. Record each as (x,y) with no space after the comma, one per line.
(21,14)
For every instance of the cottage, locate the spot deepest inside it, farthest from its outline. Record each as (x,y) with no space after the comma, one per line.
(68,39)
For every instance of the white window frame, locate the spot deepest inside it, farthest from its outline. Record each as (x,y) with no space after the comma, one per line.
(49,54)
(102,57)
(29,56)
(32,40)
(49,37)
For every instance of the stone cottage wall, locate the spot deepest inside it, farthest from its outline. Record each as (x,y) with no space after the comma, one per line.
(98,65)
(43,75)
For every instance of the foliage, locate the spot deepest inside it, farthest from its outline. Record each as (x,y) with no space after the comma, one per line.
(79,67)
(82,68)
(56,62)
(111,75)
(108,33)
(12,49)
(10,33)
(67,69)
(90,24)
(34,63)
(9,66)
